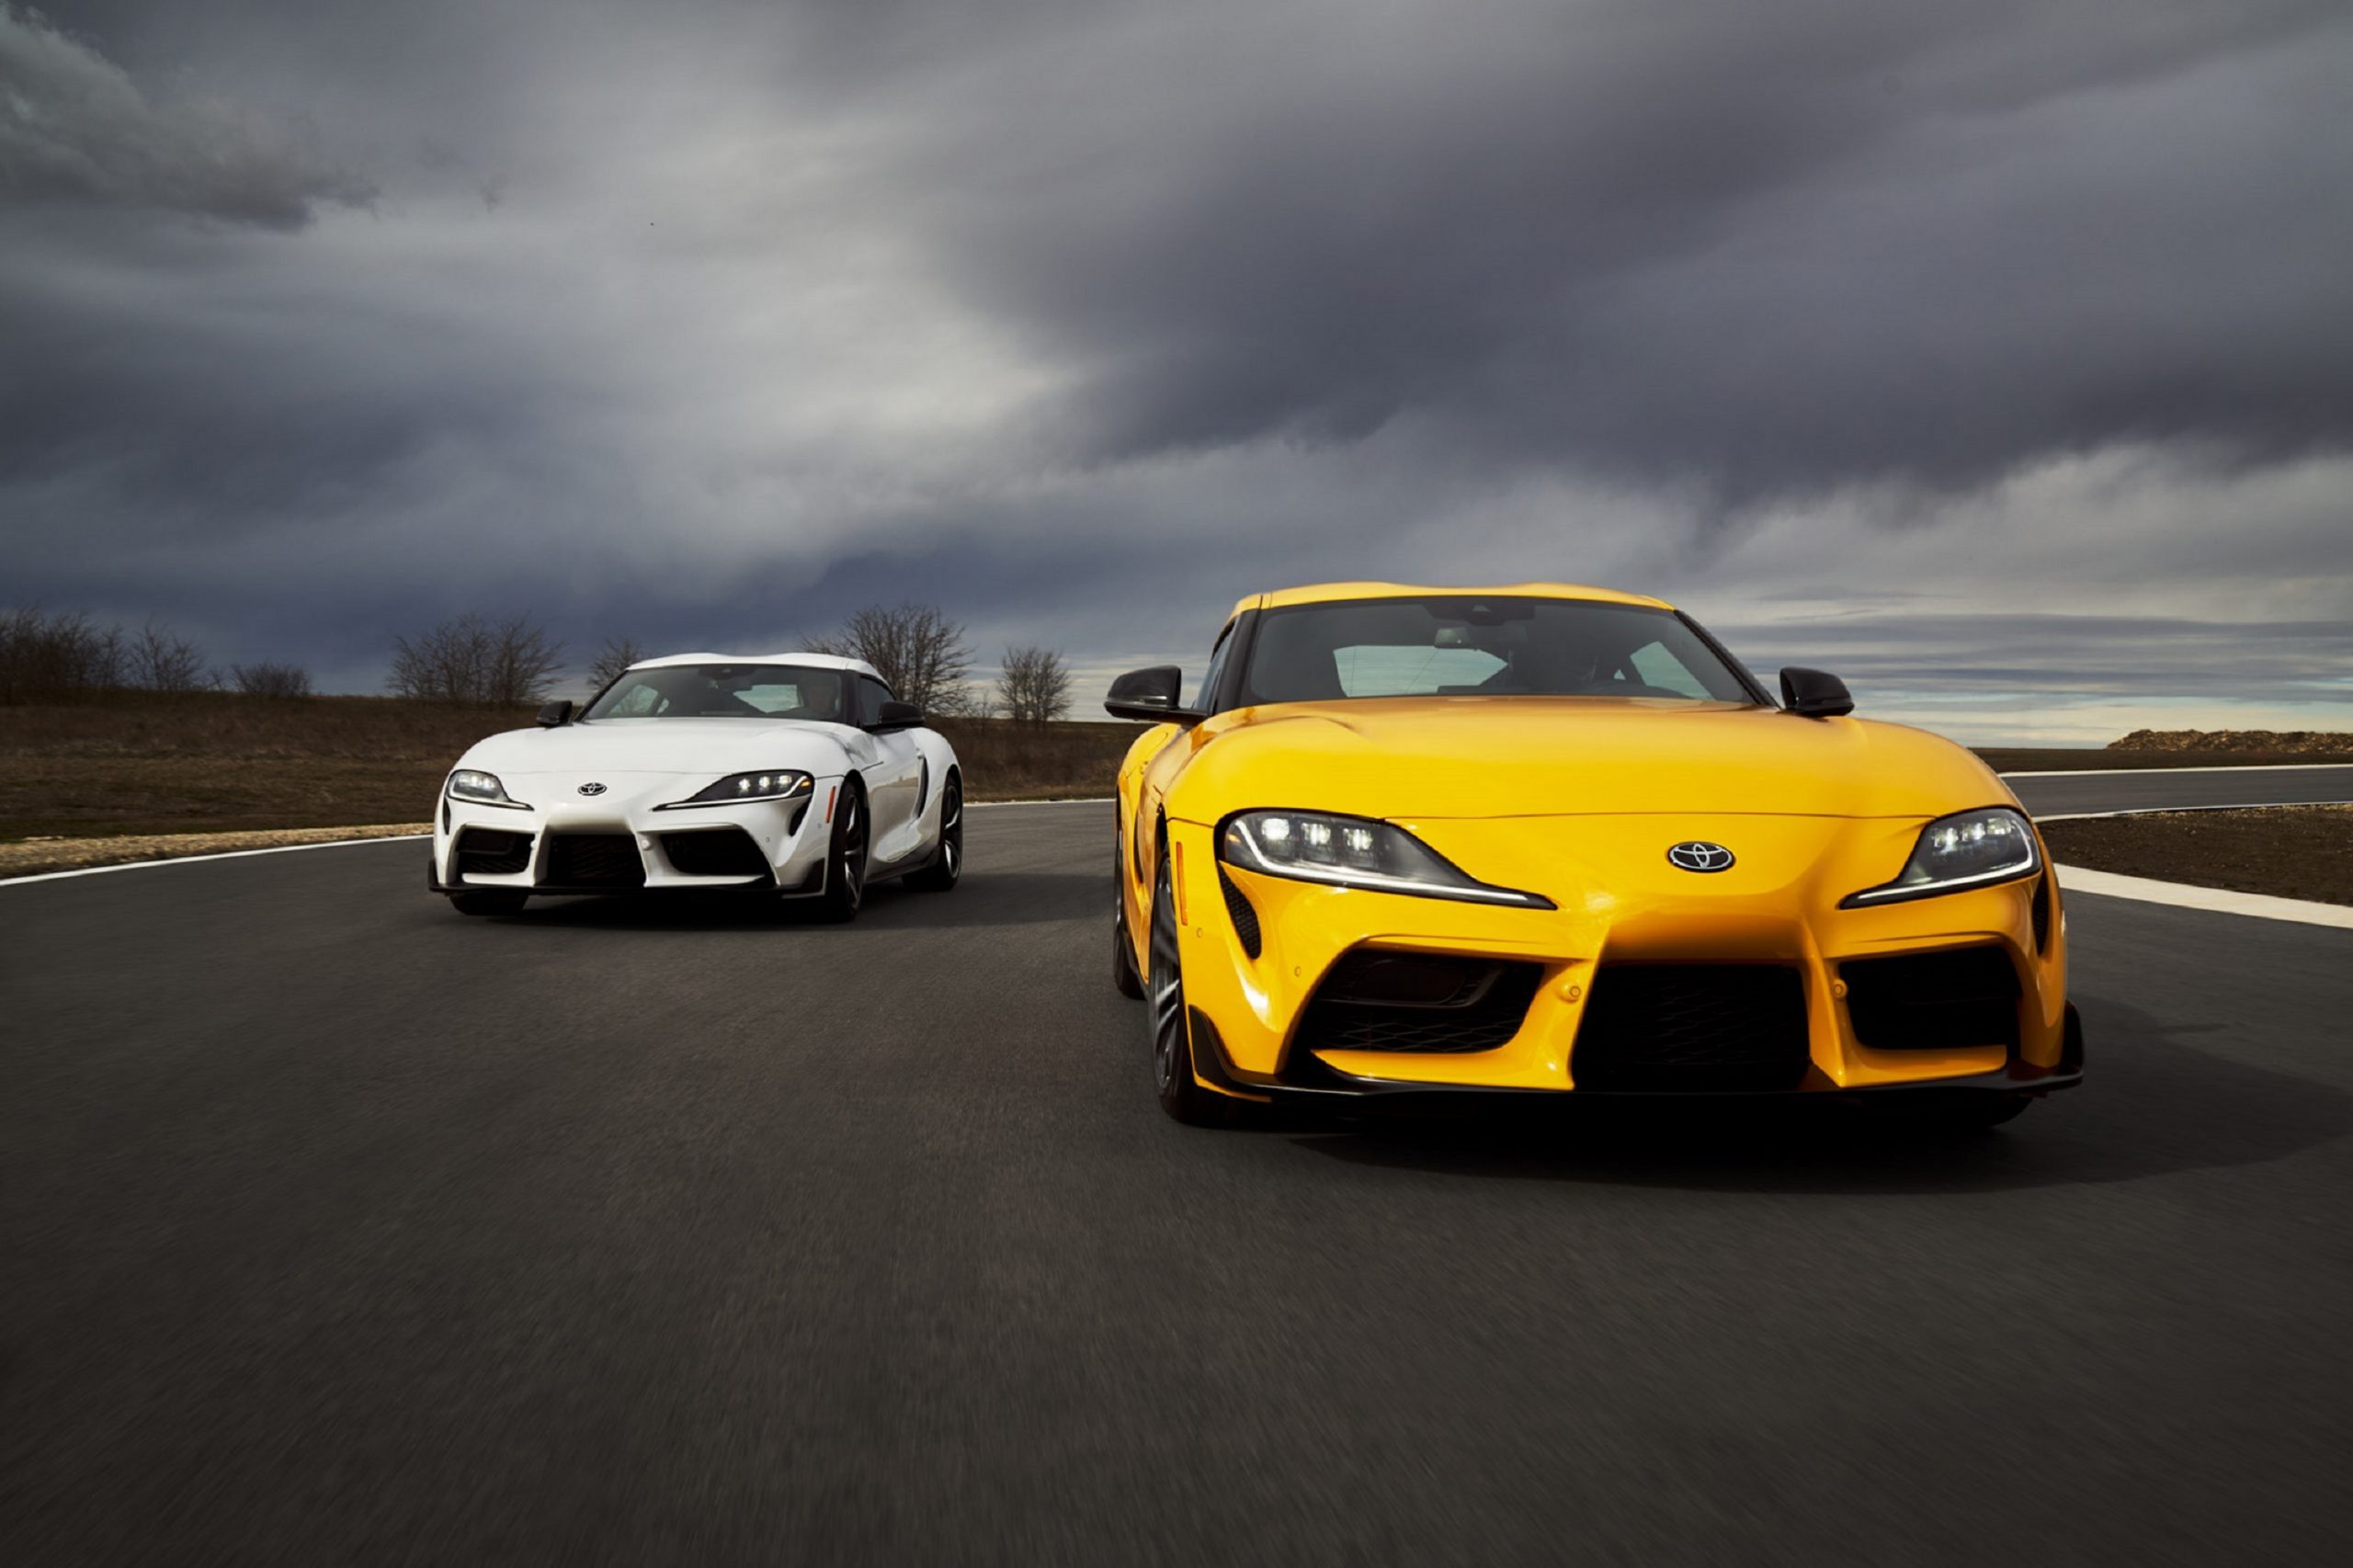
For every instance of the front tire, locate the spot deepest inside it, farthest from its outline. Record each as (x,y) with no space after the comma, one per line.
(845,860)
(1124,978)
(489,901)
(948,865)
(1181,1095)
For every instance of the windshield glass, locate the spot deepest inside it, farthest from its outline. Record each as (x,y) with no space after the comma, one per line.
(1458,645)
(724,692)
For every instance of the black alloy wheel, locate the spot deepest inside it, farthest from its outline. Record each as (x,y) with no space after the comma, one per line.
(1181,1096)
(845,859)
(1124,978)
(947,863)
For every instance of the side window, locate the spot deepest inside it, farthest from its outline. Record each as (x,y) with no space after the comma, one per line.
(1207,690)
(871,695)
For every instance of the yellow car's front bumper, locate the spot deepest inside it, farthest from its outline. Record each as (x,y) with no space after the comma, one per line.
(1622,907)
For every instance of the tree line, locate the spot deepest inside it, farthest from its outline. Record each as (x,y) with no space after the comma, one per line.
(65,656)
(923,655)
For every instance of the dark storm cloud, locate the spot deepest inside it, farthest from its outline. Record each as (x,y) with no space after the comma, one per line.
(1772,246)
(75,129)
(1901,336)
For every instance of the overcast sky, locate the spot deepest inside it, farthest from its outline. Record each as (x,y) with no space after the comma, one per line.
(1997,356)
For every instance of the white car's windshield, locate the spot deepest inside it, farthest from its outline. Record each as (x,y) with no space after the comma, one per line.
(724,692)
(1460,645)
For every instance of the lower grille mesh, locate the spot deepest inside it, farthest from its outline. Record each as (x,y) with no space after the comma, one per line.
(593,860)
(1692,1027)
(1239,910)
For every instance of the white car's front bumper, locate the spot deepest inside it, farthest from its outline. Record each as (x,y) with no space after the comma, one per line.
(623,839)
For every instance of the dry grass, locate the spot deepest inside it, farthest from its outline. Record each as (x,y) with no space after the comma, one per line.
(223,762)
(2302,852)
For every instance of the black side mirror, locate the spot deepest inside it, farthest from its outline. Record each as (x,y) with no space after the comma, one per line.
(554,713)
(1814,694)
(895,715)
(1151,694)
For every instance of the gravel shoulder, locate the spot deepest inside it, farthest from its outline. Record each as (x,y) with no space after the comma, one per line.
(2304,852)
(32,857)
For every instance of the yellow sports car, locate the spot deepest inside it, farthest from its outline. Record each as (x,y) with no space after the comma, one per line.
(1551,840)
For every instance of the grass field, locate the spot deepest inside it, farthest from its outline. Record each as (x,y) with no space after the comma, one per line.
(219,762)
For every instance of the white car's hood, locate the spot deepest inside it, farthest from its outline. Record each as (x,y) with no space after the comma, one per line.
(694,746)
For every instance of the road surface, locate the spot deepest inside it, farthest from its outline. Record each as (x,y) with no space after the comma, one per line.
(2053,794)
(341,1229)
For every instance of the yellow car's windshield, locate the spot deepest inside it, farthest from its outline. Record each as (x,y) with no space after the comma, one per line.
(1447,645)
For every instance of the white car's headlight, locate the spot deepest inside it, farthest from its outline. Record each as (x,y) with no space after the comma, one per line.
(1968,849)
(1354,852)
(482,789)
(774,784)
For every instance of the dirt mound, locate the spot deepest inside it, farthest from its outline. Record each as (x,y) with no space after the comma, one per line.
(2293,743)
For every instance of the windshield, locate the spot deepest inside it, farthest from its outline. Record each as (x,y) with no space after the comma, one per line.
(1458,645)
(724,692)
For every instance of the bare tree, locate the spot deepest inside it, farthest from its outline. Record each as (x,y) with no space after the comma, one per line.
(162,661)
(271,680)
(468,659)
(919,653)
(1034,685)
(618,655)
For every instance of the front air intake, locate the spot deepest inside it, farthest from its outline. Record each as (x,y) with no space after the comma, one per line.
(489,852)
(1946,1001)
(715,852)
(1696,1029)
(593,860)
(1374,999)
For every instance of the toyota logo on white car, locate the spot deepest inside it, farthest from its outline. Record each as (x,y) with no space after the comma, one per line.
(592,789)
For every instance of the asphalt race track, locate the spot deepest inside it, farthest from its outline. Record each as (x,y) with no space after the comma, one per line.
(2051,794)
(339,1227)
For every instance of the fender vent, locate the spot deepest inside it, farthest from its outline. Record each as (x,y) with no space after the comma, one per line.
(1239,909)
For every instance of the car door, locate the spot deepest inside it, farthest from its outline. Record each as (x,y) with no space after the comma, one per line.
(895,781)
(1160,773)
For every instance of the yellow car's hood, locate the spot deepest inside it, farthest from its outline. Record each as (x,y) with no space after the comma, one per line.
(1489,757)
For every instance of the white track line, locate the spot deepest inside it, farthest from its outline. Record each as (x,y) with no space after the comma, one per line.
(208,855)
(2217,901)
(2161,811)
(2218,767)
(382,838)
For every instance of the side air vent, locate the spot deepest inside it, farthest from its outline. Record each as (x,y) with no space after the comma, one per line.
(1239,909)
(1933,1000)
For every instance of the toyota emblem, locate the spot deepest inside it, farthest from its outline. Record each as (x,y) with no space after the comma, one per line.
(600,789)
(1699,855)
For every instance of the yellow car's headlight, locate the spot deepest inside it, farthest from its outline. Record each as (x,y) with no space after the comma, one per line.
(1354,852)
(1968,849)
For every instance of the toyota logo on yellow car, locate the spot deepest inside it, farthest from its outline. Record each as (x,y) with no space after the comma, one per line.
(1698,855)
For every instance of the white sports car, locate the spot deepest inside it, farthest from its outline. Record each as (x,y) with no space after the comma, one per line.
(796,775)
